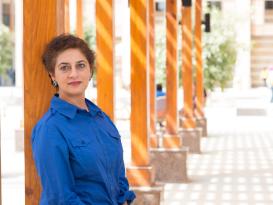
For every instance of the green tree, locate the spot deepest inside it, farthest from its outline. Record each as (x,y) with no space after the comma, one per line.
(90,38)
(6,50)
(160,53)
(219,51)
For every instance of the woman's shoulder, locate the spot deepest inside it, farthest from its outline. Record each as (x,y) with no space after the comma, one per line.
(47,123)
(47,119)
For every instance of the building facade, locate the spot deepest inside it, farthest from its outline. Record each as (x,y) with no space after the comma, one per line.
(254,30)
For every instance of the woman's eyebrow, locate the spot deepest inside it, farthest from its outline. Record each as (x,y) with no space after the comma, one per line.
(63,63)
(81,61)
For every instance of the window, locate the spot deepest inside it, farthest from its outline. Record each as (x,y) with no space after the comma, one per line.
(160,6)
(268,14)
(268,5)
(6,14)
(215,4)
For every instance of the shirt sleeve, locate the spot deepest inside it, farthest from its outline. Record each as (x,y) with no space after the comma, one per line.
(125,194)
(51,156)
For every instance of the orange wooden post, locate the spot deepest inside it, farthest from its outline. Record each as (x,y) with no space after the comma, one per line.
(201,120)
(175,168)
(171,139)
(199,67)
(190,133)
(79,24)
(188,121)
(140,173)
(63,22)
(153,137)
(105,55)
(39,27)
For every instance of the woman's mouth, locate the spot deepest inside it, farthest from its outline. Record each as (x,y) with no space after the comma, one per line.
(74,83)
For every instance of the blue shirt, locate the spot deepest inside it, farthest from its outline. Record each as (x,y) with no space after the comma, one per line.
(160,93)
(79,157)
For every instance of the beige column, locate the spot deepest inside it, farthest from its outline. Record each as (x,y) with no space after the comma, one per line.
(11,15)
(1,13)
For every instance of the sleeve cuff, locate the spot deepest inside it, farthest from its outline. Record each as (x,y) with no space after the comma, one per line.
(128,196)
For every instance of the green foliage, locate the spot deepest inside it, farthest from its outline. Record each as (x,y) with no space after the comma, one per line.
(90,38)
(6,50)
(160,54)
(219,51)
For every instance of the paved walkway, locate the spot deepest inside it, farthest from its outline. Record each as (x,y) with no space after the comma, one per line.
(236,164)
(235,167)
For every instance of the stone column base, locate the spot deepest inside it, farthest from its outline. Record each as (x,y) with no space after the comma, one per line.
(148,195)
(202,123)
(191,138)
(140,175)
(170,164)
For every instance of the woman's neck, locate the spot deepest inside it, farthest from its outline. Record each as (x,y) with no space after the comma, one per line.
(77,101)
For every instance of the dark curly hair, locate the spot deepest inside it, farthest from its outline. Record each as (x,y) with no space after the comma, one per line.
(61,43)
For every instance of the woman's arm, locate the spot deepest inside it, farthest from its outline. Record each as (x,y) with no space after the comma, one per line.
(125,194)
(51,157)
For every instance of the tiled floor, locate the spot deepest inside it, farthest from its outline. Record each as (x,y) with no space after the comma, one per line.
(235,166)
(236,163)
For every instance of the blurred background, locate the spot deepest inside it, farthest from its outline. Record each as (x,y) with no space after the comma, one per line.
(237,56)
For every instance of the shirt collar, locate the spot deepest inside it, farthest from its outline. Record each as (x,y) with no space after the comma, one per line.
(70,110)
(93,109)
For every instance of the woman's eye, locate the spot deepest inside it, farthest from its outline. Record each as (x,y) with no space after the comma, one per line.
(81,65)
(64,68)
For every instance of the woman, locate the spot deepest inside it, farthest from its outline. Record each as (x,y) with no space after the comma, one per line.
(76,147)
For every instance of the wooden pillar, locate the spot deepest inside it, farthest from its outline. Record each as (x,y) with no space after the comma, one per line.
(187,77)
(79,24)
(140,173)
(63,22)
(174,169)
(105,55)
(40,25)
(199,67)
(171,139)
(201,120)
(153,138)
(190,133)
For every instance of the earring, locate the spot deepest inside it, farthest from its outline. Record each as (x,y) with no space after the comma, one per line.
(54,83)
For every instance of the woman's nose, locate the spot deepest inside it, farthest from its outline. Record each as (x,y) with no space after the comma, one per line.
(73,72)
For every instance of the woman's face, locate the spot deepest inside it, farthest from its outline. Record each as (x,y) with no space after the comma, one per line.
(72,73)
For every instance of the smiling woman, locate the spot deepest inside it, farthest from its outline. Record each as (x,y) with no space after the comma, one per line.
(72,74)
(76,147)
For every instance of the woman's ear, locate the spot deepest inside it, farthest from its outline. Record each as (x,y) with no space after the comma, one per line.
(51,75)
